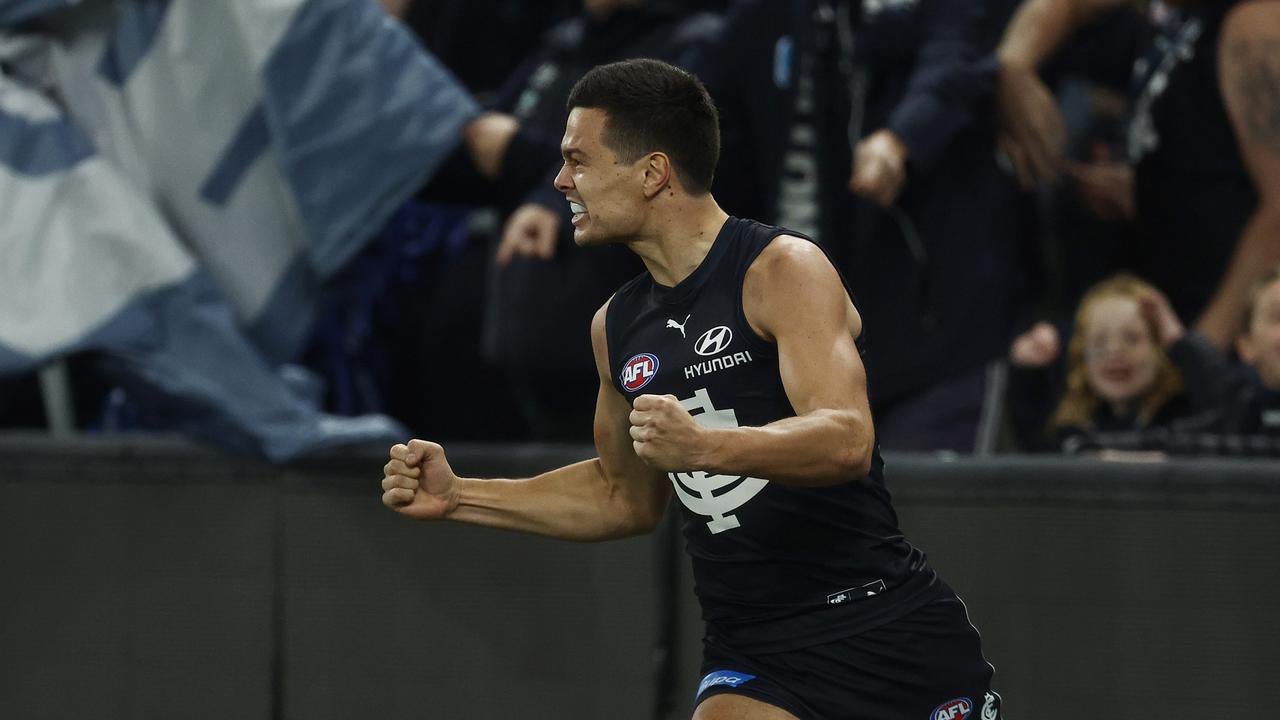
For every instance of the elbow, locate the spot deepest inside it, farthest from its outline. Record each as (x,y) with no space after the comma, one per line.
(846,451)
(632,511)
(646,515)
(847,465)
(630,523)
(856,460)
(616,524)
(644,525)
(861,465)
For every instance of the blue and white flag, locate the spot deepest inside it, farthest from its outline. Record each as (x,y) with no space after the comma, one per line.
(178,177)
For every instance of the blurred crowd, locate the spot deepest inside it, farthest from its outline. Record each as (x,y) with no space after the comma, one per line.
(1060,219)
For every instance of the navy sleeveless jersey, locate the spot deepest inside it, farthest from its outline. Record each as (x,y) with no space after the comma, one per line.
(775,567)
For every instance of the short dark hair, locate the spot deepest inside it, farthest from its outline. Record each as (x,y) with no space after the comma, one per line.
(652,106)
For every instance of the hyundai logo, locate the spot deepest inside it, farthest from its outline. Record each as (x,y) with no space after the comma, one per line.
(713,341)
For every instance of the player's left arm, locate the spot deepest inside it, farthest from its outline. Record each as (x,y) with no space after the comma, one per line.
(792,296)
(1249,75)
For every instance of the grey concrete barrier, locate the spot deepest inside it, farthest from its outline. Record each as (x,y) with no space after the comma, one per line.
(146,577)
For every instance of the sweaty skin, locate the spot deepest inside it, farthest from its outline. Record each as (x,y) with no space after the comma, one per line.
(792,296)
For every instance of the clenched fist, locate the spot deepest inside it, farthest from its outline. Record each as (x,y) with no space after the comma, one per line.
(418,481)
(666,436)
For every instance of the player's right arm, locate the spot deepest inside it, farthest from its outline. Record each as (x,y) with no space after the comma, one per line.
(612,496)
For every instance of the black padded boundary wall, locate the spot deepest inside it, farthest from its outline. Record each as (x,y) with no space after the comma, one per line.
(149,578)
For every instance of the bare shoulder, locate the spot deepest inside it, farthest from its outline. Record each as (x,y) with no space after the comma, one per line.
(794,279)
(789,255)
(598,320)
(600,338)
(787,266)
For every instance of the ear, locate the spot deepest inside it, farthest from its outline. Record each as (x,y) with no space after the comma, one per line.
(1246,350)
(658,174)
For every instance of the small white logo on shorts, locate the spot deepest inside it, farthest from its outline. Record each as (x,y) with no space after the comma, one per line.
(732,678)
(875,587)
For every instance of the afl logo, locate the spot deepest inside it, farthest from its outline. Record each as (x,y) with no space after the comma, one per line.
(713,341)
(957,709)
(638,371)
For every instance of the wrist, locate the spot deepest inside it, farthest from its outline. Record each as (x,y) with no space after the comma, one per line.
(710,450)
(462,490)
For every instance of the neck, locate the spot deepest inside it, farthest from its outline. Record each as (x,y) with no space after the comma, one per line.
(680,238)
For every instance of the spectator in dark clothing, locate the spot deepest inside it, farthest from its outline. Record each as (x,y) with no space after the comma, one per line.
(1086,222)
(1203,142)
(1259,347)
(481,40)
(1119,378)
(544,289)
(861,124)
(1243,400)
(515,146)
(1225,409)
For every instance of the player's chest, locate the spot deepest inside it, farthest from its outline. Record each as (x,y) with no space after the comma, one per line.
(679,349)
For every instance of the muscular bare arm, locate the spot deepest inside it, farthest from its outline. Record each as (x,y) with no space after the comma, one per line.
(1040,27)
(1249,75)
(1032,133)
(614,495)
(792,296)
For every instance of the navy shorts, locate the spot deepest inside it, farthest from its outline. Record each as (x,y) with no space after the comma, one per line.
(927,665)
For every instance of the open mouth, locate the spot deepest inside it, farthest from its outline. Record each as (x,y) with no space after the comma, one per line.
(1118,374)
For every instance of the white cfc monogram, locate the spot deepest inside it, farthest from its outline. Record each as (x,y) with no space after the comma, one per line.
(698,490)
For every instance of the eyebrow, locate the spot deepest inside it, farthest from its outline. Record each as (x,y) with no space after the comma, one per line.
(570,151)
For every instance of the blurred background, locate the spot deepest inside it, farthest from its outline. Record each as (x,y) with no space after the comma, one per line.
(244,247)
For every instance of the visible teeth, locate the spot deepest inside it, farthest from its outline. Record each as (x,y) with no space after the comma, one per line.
(577,208)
